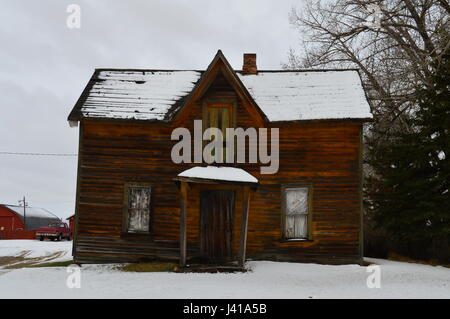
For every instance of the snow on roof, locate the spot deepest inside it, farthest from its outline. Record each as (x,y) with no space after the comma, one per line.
(281,95)
(32,211)
(221,173)
(308,95)
(137,94)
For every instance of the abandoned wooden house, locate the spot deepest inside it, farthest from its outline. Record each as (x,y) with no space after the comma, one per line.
(135,202)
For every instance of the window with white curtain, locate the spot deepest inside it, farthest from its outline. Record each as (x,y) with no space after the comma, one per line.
(138,209)
(296,212)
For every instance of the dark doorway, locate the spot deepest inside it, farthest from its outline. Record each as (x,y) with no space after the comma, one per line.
(216,223)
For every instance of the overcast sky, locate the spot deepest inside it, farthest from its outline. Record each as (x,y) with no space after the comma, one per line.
(44,66)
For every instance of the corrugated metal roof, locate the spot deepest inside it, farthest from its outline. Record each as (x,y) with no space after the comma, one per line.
(281,95)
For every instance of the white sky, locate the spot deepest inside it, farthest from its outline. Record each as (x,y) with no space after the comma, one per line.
(44,66)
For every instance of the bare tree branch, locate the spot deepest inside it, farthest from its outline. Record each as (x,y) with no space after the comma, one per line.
(394,57)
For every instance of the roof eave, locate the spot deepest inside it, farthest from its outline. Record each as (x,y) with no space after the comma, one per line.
(75,114)
(213,181)
(331,120)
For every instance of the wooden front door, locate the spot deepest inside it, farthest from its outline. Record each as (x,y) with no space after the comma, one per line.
(216,222)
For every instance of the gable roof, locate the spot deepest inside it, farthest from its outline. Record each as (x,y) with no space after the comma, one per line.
(280,95)
(220,65)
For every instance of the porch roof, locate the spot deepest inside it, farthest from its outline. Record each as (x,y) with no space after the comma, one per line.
(218,173)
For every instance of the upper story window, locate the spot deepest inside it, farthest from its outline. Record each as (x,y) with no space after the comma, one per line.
(219,115)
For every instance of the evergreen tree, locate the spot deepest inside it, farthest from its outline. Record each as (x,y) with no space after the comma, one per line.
(409,191)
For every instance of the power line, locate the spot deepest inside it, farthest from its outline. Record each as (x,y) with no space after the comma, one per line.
(37,154)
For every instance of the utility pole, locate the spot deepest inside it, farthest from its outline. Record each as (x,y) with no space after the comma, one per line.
(24,213)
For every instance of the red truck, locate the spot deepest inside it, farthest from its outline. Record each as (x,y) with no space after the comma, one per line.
(55,230)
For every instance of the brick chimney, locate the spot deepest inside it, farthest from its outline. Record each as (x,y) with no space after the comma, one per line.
(249,66)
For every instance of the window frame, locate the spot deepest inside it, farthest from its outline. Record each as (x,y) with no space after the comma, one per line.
(125,213)
(227,102)
(284,187)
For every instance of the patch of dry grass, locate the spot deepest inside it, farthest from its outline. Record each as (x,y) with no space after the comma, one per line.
(148,267)
(53,264)
(21,260)
(367,263)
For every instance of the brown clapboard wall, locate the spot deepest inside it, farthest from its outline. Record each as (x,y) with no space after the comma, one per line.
(324,154)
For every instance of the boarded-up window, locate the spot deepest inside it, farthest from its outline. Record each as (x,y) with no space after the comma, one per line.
(296,212)
(138,209)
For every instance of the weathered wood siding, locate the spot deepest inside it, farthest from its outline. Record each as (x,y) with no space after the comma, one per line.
(324,154)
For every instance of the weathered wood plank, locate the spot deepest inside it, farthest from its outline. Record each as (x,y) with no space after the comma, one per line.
(183,205)
(244,224)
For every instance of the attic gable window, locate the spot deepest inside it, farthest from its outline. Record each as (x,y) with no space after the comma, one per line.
(297,212)
(137,209)
(220,115)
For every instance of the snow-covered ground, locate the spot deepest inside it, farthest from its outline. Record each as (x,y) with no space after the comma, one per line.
(36,249)
(266,280)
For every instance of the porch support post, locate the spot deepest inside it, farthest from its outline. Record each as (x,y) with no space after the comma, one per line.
(244,223)
(183,207)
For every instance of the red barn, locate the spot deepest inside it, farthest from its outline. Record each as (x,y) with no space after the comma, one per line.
(12,217)
(71,222)
(9,220)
